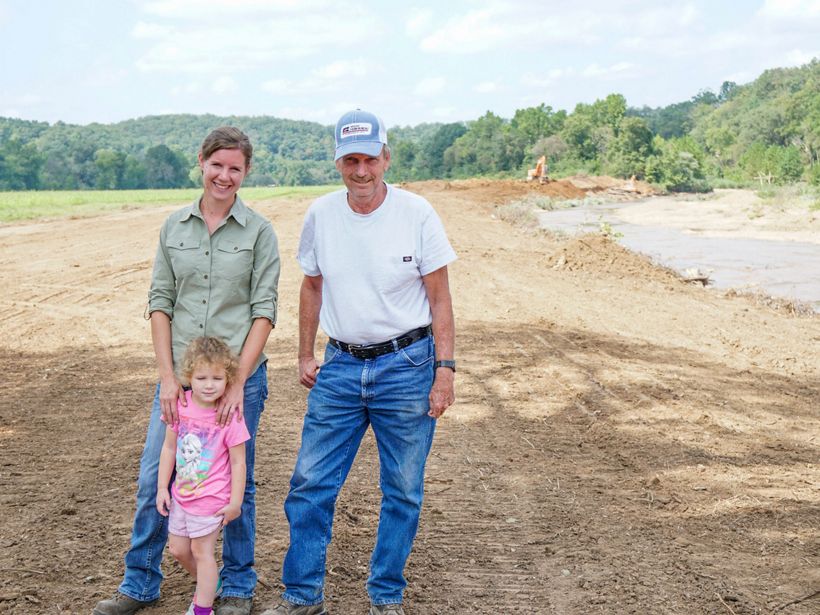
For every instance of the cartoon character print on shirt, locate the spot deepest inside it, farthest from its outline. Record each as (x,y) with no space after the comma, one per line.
(194,455)
(190,447)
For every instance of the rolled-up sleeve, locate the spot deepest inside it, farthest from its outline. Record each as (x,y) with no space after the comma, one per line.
(162,294)
(265,276)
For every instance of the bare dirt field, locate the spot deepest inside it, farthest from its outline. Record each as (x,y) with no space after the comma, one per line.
(622,442)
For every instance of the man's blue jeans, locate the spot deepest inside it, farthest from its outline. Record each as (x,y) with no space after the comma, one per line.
(391,393)
(150,530)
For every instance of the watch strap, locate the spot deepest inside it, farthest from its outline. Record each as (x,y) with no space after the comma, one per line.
(450,364)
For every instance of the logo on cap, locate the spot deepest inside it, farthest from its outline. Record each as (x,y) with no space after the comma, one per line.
(355,130)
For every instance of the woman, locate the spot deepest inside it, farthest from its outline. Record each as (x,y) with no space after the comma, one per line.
(216,274)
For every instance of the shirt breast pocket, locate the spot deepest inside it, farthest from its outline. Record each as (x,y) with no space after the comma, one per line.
(397,273)
(184,255)
(234,261)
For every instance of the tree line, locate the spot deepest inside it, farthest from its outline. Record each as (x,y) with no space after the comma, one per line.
(765,131)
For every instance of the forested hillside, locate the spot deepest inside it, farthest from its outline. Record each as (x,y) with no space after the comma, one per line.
(766,131)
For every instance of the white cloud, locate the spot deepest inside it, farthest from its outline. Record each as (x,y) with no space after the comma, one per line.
(475,31)
(331,78)
(430,86)
(446,113)
(619,70)
(24,100)
(246,34)
(146,30)
(196,9)
(343,69)
(689,15)
(21,106)
(548,79)
(798,57)
(533,80)
(327,114)
(790,9)
(224,85)
(419,21)
(486,87)
(514,24)
(191,88)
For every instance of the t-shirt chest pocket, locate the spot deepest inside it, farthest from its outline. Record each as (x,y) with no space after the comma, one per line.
(397,271)
(233,260)
(184,254)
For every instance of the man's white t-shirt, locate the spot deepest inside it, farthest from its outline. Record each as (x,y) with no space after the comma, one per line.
(371,265)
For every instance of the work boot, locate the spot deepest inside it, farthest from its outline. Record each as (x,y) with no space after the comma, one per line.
(288,608)
(233,605)
(386,609)
(120,604)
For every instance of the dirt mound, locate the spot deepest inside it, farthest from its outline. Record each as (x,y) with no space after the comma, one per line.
(503,190)
(599,253)
(616,189)
(560,188)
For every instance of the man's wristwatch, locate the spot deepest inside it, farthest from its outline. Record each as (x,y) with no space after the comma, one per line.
(447,363)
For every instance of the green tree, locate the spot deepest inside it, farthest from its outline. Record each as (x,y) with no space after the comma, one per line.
(630,149)
(20,165)
(133,173)
(534,123)
(165,168)
(677,165)
(403,161)
(431,162)
(486,147)
(110,169)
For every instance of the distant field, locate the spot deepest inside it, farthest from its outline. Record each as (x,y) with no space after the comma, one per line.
(18,206)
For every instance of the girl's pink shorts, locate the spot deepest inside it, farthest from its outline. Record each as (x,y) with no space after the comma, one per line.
(181,523)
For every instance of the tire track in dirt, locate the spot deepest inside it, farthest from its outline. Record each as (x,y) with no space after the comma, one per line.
(620,443)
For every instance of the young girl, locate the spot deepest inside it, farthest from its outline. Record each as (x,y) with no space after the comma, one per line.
(210,467)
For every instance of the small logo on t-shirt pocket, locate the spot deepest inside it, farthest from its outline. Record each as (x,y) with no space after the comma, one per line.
(407,259)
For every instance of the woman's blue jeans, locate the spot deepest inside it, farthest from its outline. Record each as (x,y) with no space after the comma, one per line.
(390,393)
(150,531)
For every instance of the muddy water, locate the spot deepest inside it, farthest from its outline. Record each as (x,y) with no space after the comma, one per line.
(779,268)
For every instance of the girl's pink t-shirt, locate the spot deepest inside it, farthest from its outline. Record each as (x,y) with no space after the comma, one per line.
(203,466)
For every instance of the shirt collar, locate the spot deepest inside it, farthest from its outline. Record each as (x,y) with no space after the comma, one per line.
(239,211)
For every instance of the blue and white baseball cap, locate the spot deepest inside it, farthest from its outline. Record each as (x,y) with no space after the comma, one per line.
(359,132)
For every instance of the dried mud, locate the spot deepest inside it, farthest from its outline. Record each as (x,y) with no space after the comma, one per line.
(622,442)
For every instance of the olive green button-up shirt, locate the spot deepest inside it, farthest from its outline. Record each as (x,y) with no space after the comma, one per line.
(215,284)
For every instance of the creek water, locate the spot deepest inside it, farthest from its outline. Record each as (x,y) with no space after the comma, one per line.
(785,269)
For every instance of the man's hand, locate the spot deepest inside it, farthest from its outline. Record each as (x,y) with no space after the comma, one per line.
(231,402)
(442,395)
(170,392)
(308,370)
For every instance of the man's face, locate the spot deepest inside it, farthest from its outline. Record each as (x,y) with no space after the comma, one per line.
(363,175)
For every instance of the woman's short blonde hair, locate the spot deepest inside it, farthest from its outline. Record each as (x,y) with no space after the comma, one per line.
(208,351)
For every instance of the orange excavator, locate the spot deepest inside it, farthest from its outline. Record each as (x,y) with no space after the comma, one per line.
(539,172)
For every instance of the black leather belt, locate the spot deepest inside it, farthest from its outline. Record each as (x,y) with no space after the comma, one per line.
(371,351)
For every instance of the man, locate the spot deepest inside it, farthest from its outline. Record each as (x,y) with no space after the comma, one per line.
(375,262)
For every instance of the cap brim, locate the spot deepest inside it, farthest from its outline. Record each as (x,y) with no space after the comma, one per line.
(368,148)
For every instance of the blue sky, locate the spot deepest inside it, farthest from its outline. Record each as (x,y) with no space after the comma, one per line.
(83,61)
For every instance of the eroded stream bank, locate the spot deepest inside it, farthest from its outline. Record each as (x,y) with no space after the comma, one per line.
(715,236)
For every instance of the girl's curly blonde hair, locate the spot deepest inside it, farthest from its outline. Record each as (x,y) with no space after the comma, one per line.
(208,351)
